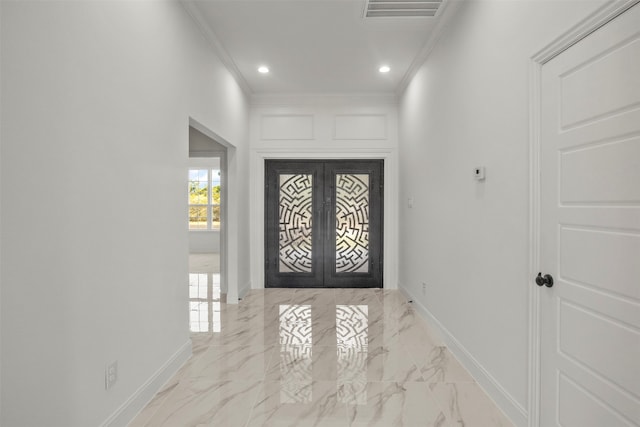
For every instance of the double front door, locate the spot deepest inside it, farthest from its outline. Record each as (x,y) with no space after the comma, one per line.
(323,223)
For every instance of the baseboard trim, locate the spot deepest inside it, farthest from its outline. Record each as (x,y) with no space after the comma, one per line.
(138,400)
(242,291)
(501,397)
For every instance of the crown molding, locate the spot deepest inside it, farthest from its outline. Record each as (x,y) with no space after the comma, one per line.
(196,14)
(447,10)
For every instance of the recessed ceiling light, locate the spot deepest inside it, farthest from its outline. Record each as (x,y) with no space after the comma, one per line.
(384,69)
(263,69)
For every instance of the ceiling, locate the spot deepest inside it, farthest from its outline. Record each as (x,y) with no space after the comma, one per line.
(313,46)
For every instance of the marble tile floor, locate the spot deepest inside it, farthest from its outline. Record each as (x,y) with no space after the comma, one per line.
(204,263)
(318,357)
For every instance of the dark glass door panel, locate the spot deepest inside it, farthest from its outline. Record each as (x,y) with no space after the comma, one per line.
(353,246)
(293,204)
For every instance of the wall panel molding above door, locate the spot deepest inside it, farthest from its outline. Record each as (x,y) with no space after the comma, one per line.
(360,126)
(275,127)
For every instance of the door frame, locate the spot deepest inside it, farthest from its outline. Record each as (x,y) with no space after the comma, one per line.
(390,200)
(229,226)
(324,272)
(581,30)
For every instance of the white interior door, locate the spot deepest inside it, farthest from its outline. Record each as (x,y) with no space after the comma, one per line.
(590,230)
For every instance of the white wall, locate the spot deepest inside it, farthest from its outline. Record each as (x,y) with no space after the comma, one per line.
(1,238)
(95,108)
(467,106)
(324,127)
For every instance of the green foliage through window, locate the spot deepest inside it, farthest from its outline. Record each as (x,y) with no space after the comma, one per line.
(204,206)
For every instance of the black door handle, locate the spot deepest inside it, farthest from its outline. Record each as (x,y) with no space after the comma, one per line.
(546,280)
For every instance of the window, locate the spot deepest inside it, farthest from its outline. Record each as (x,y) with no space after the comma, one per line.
(204,199)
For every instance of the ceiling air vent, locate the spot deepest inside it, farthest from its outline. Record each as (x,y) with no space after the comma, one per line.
(401,8)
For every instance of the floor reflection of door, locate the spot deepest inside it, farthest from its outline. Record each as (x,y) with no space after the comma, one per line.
(323,223)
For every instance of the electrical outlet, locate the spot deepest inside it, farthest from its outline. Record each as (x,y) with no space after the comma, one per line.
(424,288)
(110,375)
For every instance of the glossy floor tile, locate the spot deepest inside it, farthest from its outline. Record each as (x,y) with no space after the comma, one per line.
(314,357)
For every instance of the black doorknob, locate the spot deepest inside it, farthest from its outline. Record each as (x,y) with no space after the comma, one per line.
(546,280)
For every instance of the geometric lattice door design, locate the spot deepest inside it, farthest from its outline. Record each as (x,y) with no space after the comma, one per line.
(323,223)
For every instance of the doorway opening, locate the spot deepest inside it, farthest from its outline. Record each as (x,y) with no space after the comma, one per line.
(207,193)
(324,223)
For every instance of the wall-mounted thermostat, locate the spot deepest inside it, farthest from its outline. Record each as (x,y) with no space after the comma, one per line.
(478,173)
